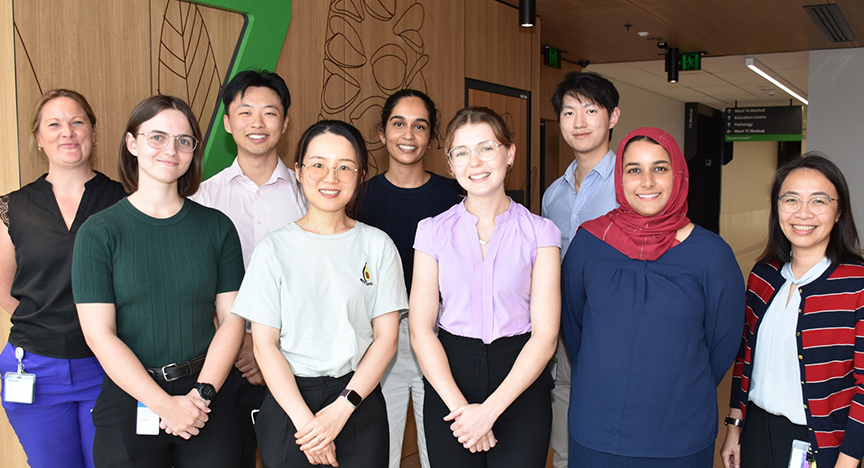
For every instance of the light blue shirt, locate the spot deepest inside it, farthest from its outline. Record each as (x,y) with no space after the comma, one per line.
(568,209)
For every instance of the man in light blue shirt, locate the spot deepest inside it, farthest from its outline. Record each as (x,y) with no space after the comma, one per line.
(587,109)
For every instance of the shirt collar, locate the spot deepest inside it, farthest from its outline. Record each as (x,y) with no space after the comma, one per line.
(603,168)
(464,214)
(281,172)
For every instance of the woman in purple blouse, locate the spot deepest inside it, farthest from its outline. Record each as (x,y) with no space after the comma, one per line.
(496,267)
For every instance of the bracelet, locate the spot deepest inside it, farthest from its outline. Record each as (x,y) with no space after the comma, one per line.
(733,421)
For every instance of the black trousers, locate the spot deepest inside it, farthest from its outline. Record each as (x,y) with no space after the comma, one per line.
(117,445)
(251,397)
(522,429)
(766,441)
(363,443)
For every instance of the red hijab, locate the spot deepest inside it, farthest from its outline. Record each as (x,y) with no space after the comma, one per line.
(636,236)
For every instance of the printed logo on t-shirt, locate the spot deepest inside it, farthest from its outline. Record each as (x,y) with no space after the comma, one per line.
(366,278)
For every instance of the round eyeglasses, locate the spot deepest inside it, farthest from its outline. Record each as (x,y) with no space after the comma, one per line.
(159,140)
(816,205)
(319,171)
(486,151)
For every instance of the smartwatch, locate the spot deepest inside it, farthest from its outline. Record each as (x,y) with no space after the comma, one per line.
(207,391)
(353,397)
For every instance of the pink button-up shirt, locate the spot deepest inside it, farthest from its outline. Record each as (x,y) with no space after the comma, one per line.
(255,211)
(485,298)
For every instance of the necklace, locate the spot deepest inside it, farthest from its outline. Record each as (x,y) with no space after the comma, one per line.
(482,242)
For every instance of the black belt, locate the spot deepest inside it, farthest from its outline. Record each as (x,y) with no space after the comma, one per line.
(176,371)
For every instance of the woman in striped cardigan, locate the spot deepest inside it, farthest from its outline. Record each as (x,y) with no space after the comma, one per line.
(799,374)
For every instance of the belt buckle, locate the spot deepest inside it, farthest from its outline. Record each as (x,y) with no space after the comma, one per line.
(165,376)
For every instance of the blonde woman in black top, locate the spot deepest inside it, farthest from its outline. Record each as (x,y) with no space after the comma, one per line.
(40,223)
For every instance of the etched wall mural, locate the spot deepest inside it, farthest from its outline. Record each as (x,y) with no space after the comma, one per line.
(361,69)
(116,54)
(187,65)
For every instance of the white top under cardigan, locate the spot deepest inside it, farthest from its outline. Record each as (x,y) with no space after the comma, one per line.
(776,380)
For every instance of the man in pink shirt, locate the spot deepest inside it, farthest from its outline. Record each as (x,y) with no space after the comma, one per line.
(258,192)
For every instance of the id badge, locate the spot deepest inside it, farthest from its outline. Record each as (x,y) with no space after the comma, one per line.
(799,458)
(19,387)
(147,422)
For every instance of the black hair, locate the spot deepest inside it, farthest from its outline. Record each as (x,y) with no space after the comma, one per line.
(256,79)
(585,86)
(843,245)
(350,133)
(390,103)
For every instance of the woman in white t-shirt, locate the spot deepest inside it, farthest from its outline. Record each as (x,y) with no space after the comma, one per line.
(321,295)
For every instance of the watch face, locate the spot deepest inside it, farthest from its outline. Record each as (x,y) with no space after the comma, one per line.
(352,397)
(207,391)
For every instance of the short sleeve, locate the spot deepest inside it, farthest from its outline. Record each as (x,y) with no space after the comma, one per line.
(230,266)
(259,298)
(4,210)
(391,294)
(93,263)
(424,240)
(548,234)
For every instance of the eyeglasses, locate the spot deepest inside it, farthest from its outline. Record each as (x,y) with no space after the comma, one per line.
(318,171)
(816,205)
(159,140)
(486,151)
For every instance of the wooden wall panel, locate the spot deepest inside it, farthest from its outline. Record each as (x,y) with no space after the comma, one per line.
(11,454)
(191,48)
(342,59)
(497,49)
(112,74)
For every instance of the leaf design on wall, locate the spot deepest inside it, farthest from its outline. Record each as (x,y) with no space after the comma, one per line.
(27,55)
(187,63)
(358,75)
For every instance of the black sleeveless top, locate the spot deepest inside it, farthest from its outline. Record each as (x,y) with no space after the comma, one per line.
(46,321)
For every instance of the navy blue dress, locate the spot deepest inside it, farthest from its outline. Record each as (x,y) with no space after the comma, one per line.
(650,341)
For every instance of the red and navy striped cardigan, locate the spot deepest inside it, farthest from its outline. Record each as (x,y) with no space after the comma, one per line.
(830,336)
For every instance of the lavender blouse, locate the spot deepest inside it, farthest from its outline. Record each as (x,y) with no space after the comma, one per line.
(485,298)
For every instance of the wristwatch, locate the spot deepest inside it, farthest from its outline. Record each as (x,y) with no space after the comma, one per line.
(353,397)
(207,391)
(735,422)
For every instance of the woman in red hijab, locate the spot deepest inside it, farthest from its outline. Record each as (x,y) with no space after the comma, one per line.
(651,314)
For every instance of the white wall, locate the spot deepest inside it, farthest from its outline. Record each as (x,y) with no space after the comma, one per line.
(834,122)
(642,108)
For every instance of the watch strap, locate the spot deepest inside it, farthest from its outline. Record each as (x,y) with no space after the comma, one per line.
(733,421)
(353,397)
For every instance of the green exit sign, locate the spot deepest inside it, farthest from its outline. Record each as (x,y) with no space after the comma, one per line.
(552,57)
(691,62)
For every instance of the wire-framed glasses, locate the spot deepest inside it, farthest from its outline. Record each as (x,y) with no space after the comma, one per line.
(486,151)
(816,205)
(318,171)
(159,140)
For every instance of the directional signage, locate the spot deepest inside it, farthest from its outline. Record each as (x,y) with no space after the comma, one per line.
(763,123)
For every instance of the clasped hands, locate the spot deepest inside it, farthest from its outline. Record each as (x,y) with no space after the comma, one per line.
(185,415)
(317,437)
(472,427)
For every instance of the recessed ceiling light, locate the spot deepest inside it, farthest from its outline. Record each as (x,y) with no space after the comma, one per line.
(642,33)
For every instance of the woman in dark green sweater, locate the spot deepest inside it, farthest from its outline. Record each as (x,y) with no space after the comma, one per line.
(146,275)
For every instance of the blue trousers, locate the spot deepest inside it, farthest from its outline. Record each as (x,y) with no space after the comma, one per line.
(56,431)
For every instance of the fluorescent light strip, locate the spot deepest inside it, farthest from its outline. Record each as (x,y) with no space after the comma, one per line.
(751,64)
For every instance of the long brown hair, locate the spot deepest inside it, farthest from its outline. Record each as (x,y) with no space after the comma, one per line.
(127,163)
